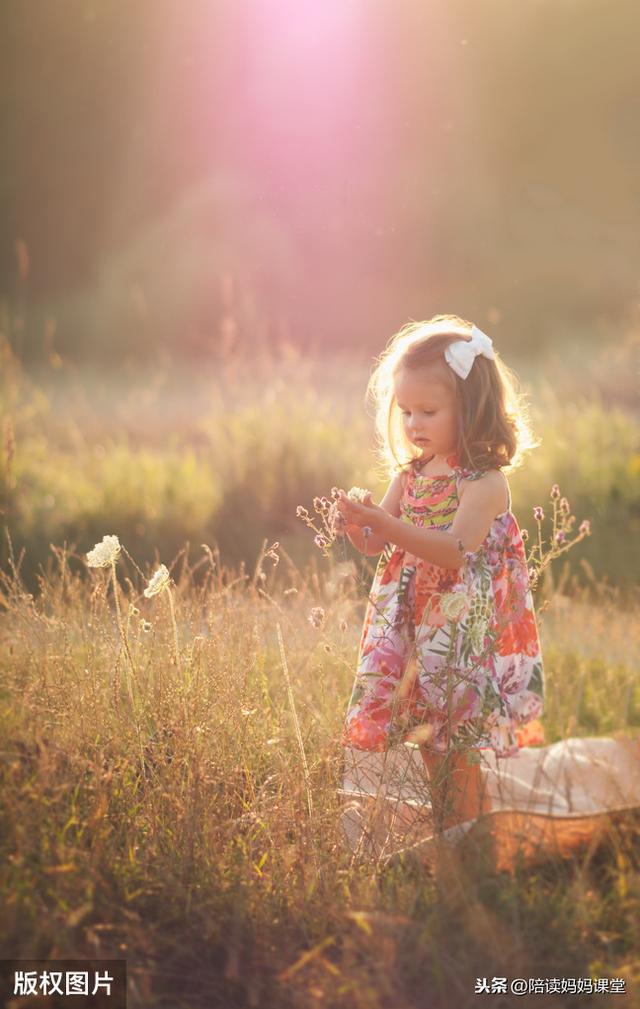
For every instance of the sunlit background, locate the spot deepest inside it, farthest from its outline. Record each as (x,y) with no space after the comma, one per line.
(188,187)
(214,216)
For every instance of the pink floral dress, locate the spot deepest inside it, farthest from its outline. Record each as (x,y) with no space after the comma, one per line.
(448,653)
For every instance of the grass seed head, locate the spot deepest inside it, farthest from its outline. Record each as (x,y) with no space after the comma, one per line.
(272,553)
(316,617)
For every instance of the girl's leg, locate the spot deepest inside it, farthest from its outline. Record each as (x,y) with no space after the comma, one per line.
(458,790)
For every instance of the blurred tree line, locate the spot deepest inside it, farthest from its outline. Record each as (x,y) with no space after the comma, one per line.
(217,175)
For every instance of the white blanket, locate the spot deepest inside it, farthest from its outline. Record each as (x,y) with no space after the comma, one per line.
(547,798)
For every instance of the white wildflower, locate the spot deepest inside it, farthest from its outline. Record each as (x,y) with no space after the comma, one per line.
(105,553)
(357,494)
(159,582)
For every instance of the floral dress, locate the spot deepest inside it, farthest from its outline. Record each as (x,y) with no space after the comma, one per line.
(448,654)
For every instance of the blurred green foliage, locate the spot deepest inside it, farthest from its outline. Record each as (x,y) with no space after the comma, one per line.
(225,459)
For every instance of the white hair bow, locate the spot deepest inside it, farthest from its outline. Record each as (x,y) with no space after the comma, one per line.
(461,354)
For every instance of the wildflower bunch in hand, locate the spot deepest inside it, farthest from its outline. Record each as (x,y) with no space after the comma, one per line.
(358,494)
(352,508)
(328,526)
(561,537)
(358,509)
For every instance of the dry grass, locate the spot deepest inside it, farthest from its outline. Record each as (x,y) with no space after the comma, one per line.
(169,788)
(193,825)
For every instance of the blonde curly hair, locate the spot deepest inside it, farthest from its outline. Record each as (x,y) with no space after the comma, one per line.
(493,423)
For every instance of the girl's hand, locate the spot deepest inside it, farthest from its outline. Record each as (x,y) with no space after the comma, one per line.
(362,513)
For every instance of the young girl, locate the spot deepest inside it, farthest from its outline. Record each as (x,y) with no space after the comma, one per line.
(449,656)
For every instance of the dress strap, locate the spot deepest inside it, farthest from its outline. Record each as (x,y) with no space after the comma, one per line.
(462,472)
(469,474)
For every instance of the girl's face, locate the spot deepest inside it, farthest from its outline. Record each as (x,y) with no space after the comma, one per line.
(428,408)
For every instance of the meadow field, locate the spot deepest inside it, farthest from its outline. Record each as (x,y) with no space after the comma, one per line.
(222,450)
(215,215)
(171,762)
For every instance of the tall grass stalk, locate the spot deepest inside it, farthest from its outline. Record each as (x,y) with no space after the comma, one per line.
(123,636)
(296,721)
(176,642)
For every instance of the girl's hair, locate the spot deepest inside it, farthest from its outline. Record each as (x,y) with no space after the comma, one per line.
(493,423)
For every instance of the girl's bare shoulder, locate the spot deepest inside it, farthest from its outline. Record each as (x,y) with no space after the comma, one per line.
(494,484)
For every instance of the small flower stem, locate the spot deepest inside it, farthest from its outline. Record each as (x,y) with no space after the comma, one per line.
(258,568)
(557,551)
(365,534)
(175,627)
(177,650)
(131,674)
(539,542)
(123,633)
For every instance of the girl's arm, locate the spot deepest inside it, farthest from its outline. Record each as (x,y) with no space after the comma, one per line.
(481,502)
(374,543)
